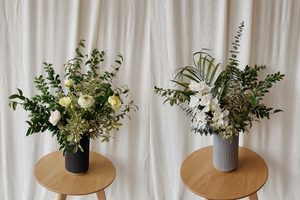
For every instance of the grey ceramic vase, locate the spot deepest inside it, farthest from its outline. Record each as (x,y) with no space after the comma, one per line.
(225,153)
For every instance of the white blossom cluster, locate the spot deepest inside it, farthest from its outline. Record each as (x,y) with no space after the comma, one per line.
(209,106)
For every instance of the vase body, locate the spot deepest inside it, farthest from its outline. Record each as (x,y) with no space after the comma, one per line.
(225,153)
(78,163)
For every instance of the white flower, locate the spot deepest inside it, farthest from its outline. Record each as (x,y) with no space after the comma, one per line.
(218,114)
(214,104)
(215,125)
(205,88)
(54,118)
(202,124)
(202,87)
(65,101)
(69,83)
(198,95)
(205,101)
(114,102)
(194,102)
(201,117)
(199,87)
(192,85)
(85,101)
(220,118)
(225,122)
(221,123)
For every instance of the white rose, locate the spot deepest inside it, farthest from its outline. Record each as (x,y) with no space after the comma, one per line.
(85,101)
(65,101)
(54,118)
(114,102)
(69,83)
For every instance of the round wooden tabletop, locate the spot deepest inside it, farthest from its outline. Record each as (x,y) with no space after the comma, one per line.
(201,177)
(50,172)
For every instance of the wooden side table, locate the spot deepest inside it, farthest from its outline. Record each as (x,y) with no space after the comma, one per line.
(201,177)
(50,172)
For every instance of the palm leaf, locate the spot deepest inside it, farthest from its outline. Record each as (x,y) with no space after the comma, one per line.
(214,72)
(199,72)
(185,85)
(208,69)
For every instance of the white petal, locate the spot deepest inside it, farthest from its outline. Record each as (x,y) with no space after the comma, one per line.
(206,109)
(225,113)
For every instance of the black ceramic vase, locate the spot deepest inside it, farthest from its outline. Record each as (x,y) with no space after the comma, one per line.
(78,163)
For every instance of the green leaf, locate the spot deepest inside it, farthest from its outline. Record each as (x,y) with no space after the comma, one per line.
(14,96)
(79,53)
(277,110)
(14,105)
(185,85)
(208,69)
(108,93)
(121,56)
(213,74)
(81,44)
(203,65)
(172,102)
(70,137)
(20,92)
(29,131)
(75,149)
(81,149)
(190,77)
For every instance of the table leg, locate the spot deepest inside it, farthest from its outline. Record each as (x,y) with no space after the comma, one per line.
(101,195)
(61,197)
(253,196)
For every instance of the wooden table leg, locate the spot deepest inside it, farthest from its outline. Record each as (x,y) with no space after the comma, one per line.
(253,196)
(61,197)
(101,195)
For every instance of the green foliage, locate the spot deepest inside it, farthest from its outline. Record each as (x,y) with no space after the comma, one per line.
(96,120)
(237,91)
(203,70)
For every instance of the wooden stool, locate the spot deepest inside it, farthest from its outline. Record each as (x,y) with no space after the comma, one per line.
(50,172)
(201,177)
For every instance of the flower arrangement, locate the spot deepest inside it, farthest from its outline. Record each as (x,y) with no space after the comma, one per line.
(88,107)
(230,104)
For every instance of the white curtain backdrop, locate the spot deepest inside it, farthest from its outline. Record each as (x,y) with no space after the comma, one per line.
(155,37)
(271,37)
(32,32)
